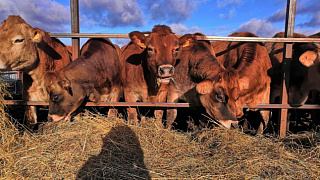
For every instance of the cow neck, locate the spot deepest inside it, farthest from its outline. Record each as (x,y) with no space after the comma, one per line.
(49,59)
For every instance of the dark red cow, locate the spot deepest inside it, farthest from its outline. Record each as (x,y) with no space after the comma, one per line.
(149,64)
(34,52)
(305,68)
(94,76)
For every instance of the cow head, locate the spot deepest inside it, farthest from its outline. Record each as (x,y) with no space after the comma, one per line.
(65,97)
(219,97)
(161,47)
(220,90)
(18,45)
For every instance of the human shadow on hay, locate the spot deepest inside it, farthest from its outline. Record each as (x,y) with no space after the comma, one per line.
(121,157)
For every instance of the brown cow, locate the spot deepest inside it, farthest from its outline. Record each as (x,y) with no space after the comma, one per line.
(34,52)
(224,86)
(149,63)
(197,72)
(94,76)
(252,64)
(304,69)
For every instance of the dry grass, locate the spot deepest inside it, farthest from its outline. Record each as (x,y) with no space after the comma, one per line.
(96,147)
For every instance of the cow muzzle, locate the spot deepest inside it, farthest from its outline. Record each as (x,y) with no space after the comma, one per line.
(230,124)
(56,118)
(165,72)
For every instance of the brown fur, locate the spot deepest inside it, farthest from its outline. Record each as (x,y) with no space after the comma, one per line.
(302,78)
(37,54)
(142,58)
(95,75)
(252,63)
(198,71)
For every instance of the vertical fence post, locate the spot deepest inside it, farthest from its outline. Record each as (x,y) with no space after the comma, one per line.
(287,56)
(74,7)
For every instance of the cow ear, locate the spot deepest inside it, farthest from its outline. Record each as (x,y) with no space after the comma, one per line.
(187,40)
(36,36)
(204,87)
(138,38)
(308,58)
(65,84)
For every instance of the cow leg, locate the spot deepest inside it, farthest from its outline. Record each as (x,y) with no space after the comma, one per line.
(113,112)
(31,116)
(161,97)
(132,116)
(172,112)
(132,112)
(171,116)
(265,114)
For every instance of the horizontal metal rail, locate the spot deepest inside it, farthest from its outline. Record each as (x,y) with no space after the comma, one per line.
(150,104)
(210,38)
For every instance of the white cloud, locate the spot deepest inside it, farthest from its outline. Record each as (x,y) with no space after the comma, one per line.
(45,14)
(110,13)
(259,27)
(224,3)
(181,29)
(231,14)
(171,11)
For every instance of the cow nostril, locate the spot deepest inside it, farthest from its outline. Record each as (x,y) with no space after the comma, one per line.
(171,71)
(161,71)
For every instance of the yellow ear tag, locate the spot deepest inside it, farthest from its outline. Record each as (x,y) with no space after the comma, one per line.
(142,45)
(186,44)
(37,36)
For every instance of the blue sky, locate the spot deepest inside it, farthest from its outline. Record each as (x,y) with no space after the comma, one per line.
(211,17)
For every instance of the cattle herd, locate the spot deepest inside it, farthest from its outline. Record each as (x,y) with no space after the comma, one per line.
(216,78)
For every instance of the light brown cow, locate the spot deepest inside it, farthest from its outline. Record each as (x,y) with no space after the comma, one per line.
(222,78)
(94,76)
(149,63)
(34,52)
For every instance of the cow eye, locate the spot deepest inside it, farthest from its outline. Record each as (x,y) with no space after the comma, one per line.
(177,49)
(220,98)
(150,49)
(55,98)
(18,41)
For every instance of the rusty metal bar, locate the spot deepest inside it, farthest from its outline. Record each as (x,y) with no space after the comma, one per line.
(149,104)
(211,38)
(74,7)
(287,56)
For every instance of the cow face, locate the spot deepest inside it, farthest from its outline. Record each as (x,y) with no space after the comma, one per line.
(161,47)
(18,45)
(220,96)
(65,97)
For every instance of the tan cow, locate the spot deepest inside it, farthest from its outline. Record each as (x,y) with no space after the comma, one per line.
(34,52)
(149,63)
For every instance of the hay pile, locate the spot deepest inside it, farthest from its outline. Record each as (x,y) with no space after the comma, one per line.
(96,147)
